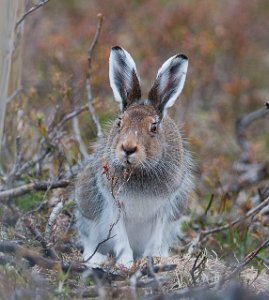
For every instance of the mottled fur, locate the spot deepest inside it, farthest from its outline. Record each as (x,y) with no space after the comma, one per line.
(148,171)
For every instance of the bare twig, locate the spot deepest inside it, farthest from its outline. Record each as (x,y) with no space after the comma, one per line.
(68,117)
(249,258)
(41,205)
(34,186)
(82,147)
(49,251)
(88,79)
(196,266)
(109,237)
(52,219)
(249,214)
(46,147)
(14,94)
(205,233)
(31,10)
(151,274)
(241,127)
(209,204)
(45,150)
(94,42)
(203,217)
(17,163)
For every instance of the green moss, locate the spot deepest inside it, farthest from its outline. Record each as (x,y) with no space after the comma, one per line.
(28,201)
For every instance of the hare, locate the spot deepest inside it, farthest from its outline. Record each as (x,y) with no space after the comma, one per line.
(132,193)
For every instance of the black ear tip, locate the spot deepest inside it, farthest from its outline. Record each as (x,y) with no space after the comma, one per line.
(116,48)
(182,56)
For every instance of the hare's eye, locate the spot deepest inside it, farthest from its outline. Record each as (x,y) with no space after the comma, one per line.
(119,122)
(153,127)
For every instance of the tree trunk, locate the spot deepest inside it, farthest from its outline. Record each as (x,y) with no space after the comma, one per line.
(10,50)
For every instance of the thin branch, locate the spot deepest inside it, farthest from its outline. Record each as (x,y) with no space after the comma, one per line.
(34,186)
(49,251)
(88,79)
(68,117)
(94,42)
(251,213)
(151,274)
(14,94)
(249,258)
(53,135)
(242,125)
(43,153)
(31,10)
(17,163)
(41,205)
(76,130)
(209,204)
(205,233)
(109,237)
(203,217)
(196,266)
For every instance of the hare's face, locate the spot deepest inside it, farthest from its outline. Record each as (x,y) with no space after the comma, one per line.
(140,137)
(138,140)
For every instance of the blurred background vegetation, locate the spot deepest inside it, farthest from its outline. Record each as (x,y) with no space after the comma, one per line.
(227,44)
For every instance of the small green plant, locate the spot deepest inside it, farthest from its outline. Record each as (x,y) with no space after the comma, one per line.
(28,201)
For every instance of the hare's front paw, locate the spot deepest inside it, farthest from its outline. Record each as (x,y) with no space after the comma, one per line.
(126,258)
(96,261)
(127,263)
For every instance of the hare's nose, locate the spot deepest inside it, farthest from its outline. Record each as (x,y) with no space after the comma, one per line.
(129,149)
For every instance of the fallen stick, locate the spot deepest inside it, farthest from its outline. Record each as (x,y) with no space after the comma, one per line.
(35,258)
(34,186)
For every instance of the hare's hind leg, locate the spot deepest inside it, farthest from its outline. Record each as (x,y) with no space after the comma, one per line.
(88,233)
(113,217)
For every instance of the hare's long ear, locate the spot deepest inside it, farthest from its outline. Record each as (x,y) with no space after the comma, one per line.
(169,82)
(123,77)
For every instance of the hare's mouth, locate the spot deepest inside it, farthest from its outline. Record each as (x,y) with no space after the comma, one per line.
(128,161)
